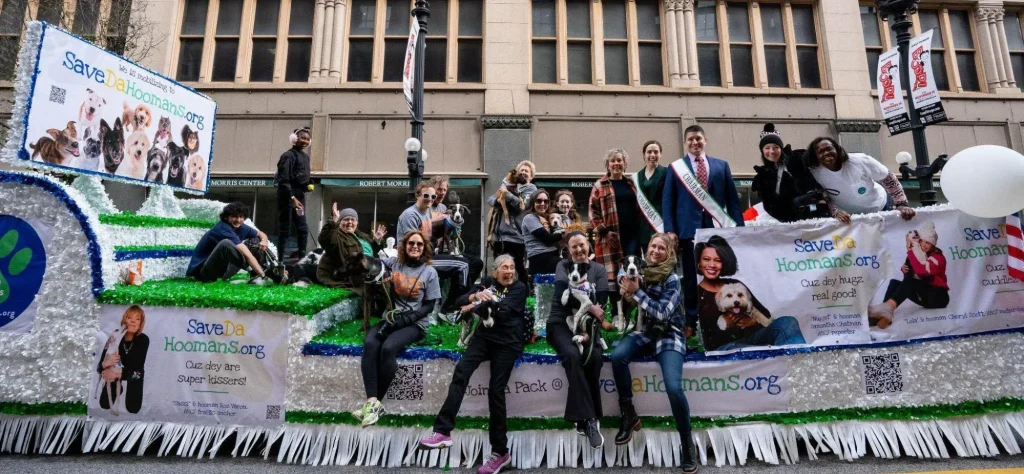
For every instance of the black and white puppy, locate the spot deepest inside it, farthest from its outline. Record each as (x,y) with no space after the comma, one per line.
(586,293)
(632,269)
(482,313)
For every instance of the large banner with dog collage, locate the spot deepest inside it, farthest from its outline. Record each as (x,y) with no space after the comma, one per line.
(92,112)
(823,283)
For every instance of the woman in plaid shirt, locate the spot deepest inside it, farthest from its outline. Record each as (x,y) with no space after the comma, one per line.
(660,330)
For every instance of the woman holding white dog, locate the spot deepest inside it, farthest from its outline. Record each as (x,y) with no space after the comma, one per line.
(414,290)
(582,371)
(730,315)
(501,343)
(540,239)
(660,330)
(128,364)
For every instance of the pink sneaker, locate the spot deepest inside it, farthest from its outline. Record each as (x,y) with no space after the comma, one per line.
(495,463)
(436,440)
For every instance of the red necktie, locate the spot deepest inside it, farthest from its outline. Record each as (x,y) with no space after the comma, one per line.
(702,172)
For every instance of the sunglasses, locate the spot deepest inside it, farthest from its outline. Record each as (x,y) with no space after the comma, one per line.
(542,201)
(414,244)
(429,196)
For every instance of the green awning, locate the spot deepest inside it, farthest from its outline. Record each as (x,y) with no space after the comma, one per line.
(393,183)
(241,183)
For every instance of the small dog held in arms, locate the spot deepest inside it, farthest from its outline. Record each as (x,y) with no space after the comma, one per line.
(737,310)
(481,313)
(632,269)
(113,382)
(450,242)
(581,322)
(59,147)
(514,180)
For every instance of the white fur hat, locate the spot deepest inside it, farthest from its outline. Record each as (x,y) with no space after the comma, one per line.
(928,233)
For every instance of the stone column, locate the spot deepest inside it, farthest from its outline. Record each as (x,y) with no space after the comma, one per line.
(506,142)
(328,39)
(690,25)
(673,44)
(994,50)
(1005,50)
(318,35)
(339,38)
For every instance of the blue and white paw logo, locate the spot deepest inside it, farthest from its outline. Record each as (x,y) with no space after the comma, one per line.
(22,265)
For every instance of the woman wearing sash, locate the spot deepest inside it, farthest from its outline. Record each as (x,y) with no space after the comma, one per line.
(660,332)
(615,218)
(650,181)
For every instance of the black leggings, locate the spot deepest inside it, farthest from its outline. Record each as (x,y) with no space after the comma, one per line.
(544,263)
(132,396)
(583,400)
(918,291)
(286,216)
(518,253)
(380,357)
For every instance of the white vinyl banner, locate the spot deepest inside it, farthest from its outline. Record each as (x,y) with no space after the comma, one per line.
(890,93)
(198,366)
(947,276)
(409,69)
(770,286)
(92,112)
(712,389)
(923,90)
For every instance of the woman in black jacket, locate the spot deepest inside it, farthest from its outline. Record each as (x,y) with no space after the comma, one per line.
(127,365)
(788,191)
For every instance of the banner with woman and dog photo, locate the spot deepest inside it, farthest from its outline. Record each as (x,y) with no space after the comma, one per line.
(200,366)
(89,111)
(824,283)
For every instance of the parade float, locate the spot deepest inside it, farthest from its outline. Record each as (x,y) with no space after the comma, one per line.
(273,371)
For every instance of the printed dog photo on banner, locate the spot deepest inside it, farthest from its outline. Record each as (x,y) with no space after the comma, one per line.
(947,276)
(91,112)
(763,288)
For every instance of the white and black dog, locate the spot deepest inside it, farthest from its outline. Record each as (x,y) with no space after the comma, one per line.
(585,292)
(632,269)
(481,313)
(450,242)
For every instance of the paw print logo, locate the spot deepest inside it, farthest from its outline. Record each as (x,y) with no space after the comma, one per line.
(22,265)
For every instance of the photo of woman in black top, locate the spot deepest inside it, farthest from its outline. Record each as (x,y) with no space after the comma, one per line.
(124,370)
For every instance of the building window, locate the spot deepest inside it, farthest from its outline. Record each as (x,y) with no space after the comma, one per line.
(758,44)
(954,51)
(104,24)
(379,31)
(1015,41)
(245,41)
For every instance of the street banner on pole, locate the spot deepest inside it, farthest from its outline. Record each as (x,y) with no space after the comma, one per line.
(409,70)
(890,93)
(923,91)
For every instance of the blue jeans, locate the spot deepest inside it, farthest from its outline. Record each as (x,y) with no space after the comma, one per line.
(671,363)
(782,331)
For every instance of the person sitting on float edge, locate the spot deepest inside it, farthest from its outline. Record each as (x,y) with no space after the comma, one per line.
(343,244)
(501,344)
(658,295)
(222,252)
(415,290)
(860,183)
(440,218)
(787,189)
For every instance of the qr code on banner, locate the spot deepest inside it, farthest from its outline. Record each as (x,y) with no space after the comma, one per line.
(273,412)
(408,384)
(57,94)
(882,373)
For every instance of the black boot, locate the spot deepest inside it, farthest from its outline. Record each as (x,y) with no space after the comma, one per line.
(630,423)
(689,461)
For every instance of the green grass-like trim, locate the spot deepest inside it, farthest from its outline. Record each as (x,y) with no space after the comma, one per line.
(147,248)
(42,409)
(129,219)
(223,295)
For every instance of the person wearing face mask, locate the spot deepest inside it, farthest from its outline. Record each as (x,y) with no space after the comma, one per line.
(343,245)
(924,278)
(661,332)
(501,344)
(414,291)
(788,191)
(505,232)
(615,218)
(860,184)
(583,372)
(699,194)
(650,181)
(292,180)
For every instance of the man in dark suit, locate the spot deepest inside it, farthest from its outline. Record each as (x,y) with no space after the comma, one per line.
(699,194)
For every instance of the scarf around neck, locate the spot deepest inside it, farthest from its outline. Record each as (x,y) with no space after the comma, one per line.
(657,273)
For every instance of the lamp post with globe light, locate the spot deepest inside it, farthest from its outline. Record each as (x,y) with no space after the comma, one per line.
(900,11)
(413,146)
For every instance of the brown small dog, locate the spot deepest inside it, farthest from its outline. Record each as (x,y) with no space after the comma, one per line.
(514,179)
(59,148)
(139,118)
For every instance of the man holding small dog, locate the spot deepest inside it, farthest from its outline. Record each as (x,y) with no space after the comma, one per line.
(222,251)
(292,181)
(502,299)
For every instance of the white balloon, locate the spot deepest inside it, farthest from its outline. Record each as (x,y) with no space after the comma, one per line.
(985,181)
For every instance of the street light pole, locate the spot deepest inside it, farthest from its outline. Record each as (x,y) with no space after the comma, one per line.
(420,13)
(900,11)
